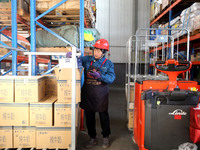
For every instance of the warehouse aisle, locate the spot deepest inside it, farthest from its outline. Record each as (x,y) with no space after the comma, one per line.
(121,137)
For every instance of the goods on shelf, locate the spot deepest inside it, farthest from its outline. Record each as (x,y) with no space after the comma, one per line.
(48,119)
(29,89)
(68,12)
(132,92)
(130,116)
(22,11)
(6,134)
(158,8)
(62,115)
(14,114)
(4,51)
(64,84)
(53,137)
(54,49)
(50,85)
(68,32)
(41,113)
(188,19)
(165,3)
(22,6)
(24,137)
(7,90)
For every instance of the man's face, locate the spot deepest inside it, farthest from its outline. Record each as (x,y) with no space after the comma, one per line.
(97,53)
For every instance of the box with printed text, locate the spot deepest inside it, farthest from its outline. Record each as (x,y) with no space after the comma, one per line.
(29,89)
(62,115)
(24,137)
(41,113)
(14,114)
(6,137)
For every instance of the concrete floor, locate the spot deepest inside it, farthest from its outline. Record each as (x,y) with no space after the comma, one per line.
(121,137)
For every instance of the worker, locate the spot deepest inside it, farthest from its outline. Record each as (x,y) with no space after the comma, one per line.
(99,73)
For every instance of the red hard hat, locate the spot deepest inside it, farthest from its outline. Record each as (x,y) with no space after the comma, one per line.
(102,44)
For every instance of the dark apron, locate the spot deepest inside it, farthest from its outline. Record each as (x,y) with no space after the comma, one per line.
(94,93)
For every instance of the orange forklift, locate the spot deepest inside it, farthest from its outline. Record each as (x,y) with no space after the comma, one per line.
(162,108)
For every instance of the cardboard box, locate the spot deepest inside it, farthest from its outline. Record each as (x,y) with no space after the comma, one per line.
(64,79)
(7,90)
(66,63)
(14,114)
(165,3)
(6,137)
(62,115)
(50,85)
(132,92)
(24,137)
(193,58)
(41,113)
(131,115)
(29,89)
(65,91)
(53,137)
(68,5)
(66,74)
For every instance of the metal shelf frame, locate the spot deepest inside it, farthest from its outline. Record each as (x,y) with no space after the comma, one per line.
(36,20)
(182,41)
(165,12)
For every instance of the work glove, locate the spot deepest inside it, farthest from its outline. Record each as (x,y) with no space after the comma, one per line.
(69,55)
(95,74)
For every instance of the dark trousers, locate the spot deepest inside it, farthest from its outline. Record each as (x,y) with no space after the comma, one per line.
(91,123)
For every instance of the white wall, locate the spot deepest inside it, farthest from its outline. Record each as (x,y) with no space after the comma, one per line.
(117,20)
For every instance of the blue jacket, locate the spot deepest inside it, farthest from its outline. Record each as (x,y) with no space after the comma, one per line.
(107,70)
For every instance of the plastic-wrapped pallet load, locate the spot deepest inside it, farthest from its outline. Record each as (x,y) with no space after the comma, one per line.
(188,15)
(186,20)
(165,3)
(175,24)
(68,32)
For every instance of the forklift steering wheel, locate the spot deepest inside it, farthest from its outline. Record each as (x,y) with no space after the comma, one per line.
(173,65)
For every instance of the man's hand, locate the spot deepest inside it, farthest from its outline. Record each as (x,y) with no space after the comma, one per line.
(95,74)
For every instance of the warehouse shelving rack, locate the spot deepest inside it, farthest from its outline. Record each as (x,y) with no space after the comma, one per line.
(33,49)
(166,15)
(33,21)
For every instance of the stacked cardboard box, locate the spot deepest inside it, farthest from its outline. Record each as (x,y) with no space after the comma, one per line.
(29,89)
(130,116)
(132,92)
(41,113)
(29,114)
(6,137)
(22,6)
(24,137)
(58,135)
(130,105)
(64,85)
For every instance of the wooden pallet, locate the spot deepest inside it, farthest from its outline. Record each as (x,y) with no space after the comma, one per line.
(63,17)
(67,13)
(195,32)
(54,49)
(5,17)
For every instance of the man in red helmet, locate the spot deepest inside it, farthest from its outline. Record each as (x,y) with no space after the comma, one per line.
(99,73)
